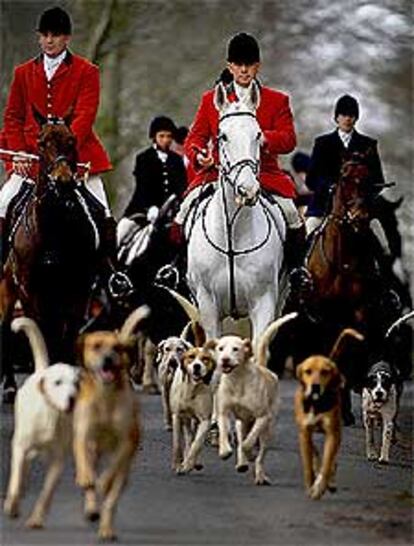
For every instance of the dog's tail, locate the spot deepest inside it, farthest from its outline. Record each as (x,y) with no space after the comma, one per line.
(337,349)
(132,322)
(191,310)
(262,350)
(36,340)
(398,323)
(197,332)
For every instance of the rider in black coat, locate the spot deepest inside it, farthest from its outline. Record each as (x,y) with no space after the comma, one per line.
(328,153)
(159,172)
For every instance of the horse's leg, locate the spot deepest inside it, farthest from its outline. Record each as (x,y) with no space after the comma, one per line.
(261,314)
(209,314)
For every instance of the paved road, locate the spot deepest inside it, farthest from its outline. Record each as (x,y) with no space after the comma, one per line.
(373,504)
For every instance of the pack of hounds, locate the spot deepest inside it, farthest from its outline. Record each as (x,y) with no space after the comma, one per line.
(210,385)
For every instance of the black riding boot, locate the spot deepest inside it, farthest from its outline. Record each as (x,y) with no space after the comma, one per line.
(119,284)
(295,251)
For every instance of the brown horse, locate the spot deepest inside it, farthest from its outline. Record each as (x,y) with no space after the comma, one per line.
(347,287)
(53,241)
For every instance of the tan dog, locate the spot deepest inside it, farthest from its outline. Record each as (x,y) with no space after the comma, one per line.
(43,423)
(250,392)
(106,419)
(191,403)
(318,409)
(170,354)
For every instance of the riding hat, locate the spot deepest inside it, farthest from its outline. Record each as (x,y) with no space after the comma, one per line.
(243,49)
(161,123)
(55,20)
(347,106)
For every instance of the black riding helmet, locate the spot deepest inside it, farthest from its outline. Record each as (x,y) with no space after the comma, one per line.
(55,20)
(243,49)
(161,123)
(347,106)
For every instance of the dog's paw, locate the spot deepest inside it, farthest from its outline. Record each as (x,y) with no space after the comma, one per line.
(262,479)
(317,489)
(243,467)
(225,453)
(85,480)
(185,468)
(383,460)
(11,508)
(107,534)
(34,522)
(372,455)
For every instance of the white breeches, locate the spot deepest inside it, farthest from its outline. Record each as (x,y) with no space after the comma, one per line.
(289,210)
(312,223)
(12,186)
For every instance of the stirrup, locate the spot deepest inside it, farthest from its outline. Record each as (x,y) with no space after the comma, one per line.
(120,285)
(300,279)
(167,276)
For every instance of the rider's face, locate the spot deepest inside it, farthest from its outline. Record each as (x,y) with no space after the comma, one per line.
(53,44)
(345,123)
(243,74)
(163,139)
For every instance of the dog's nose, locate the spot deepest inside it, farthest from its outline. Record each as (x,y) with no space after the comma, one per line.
(315,390)
(197,368)
(107,363)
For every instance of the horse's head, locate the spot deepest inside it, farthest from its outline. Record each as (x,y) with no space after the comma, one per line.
(57,149)
(239,141)
(354,192)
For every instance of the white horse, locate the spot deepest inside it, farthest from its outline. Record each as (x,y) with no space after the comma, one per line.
(236,236)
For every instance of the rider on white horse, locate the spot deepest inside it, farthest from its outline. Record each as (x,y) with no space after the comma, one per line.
(278,137)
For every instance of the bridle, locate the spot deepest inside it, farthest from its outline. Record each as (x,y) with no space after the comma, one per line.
(230,172)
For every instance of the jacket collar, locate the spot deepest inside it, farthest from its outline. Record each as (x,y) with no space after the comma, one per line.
(68,59)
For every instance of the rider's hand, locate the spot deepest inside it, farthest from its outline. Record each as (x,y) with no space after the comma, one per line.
(21,166)
(152,213)
(205,160)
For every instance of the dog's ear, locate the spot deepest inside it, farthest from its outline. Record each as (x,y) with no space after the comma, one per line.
(41,385)
(248,347)
(299,372)
(210,345)
(79,348)
(337,380)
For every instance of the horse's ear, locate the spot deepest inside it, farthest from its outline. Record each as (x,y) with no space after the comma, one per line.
(220,97)
(253,96)
(41,120)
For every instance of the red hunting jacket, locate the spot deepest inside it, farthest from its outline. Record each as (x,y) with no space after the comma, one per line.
(75,85)
(276,121)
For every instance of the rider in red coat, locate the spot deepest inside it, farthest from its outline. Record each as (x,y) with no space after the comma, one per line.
(276,121)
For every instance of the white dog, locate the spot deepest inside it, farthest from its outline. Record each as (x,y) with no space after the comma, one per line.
(43,423)
(170,353)
(250,392)
(191,401)
(380,397)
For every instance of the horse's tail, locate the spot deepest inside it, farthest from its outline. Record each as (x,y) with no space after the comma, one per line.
(262,350)
(36,340)
(336,350)
(191,310)
(132,322)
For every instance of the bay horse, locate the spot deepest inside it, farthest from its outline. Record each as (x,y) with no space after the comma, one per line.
(54,244)
(347,285)
(235,236)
